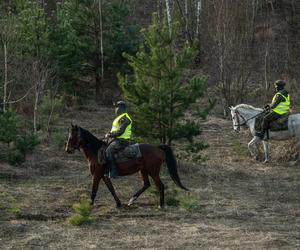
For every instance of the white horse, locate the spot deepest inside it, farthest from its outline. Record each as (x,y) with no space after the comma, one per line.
(244,115)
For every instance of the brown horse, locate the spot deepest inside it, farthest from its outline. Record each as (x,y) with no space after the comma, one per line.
(149,164)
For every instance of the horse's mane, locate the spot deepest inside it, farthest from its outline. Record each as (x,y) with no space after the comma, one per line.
(93,142)
(247,106)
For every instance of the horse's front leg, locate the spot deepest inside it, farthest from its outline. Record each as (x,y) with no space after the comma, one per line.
(111,188)
(266,151)
(252,147)
(96,180)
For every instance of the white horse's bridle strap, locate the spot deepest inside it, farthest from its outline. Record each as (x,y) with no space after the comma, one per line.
(238,115)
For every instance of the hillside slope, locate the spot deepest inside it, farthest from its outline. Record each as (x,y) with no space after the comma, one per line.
(234,202)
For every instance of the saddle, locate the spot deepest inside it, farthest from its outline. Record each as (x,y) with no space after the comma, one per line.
(129,153)
(280,124)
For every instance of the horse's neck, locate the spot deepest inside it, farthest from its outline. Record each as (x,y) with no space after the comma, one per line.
(90,155)
(248,114)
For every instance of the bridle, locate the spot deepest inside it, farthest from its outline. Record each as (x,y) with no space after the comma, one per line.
(244,122)
(78,141)
(237,116)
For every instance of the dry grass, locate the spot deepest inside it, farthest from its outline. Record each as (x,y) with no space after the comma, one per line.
(240,203)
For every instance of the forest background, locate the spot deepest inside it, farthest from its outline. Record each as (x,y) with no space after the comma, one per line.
(57,55)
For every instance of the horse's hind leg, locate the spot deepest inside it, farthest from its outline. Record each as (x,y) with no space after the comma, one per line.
(111,188)
(146,184)
(266,150)
(297,160)
(161,188)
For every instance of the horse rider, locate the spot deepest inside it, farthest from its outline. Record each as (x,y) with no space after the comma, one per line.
(121,134)
(280,106)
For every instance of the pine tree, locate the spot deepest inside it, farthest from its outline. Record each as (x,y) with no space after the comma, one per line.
(89,40)
(158,92)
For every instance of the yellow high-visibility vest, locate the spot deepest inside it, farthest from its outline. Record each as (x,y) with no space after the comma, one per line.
(116,126)
(283,107)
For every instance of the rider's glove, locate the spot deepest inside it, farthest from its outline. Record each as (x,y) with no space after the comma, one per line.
(267,108)
(108,135)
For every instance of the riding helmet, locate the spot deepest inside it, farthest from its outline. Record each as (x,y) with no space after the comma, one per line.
(120,104)
(279,83)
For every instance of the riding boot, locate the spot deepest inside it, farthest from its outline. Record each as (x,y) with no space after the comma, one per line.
(113,168)
(260,134)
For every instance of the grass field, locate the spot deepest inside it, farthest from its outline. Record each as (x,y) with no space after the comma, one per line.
(234,202)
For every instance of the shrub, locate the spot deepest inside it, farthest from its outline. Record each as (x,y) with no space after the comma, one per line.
(26,143)
(83,211)
(9,205)
(18,143)
(51,108)
(58,138)
(9,127)
(176,198)
(182,199)
(188,201)
(14,157)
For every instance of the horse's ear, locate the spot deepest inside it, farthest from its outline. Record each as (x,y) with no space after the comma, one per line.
(230,107)
(74,126)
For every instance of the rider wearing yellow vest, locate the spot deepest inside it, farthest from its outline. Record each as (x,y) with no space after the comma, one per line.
(121,132)
(280,106)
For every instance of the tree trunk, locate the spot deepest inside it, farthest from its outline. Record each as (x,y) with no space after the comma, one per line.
(5,77)
(169,18)
(35,109)
(98,84)
(198,18)
(101,38)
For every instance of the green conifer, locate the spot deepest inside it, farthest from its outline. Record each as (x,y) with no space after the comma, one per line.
(159,94)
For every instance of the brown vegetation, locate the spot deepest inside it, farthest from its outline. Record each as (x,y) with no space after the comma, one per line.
(239,203)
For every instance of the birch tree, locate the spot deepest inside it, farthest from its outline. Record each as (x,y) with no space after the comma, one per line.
(229,34)
(169,16)
(8,39)
(35,43)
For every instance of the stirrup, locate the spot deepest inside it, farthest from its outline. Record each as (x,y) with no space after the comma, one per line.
(113,177)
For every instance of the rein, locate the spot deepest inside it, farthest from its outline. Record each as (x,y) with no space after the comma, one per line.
(244,120)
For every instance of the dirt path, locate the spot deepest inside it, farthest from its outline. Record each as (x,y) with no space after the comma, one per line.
(241,204)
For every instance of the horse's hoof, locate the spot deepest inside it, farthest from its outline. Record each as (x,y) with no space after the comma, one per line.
(266,161)
(293,163)
(131,201)
(161,207)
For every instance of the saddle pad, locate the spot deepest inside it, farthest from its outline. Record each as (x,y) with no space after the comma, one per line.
(279,125)
(131,152)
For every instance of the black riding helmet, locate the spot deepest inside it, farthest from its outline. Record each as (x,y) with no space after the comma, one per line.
(279,85)
(120,107)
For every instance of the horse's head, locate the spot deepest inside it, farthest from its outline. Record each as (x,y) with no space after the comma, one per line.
(243,114)
(235,119)
(74,140)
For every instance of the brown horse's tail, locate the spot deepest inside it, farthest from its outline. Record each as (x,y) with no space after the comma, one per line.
(172,165)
